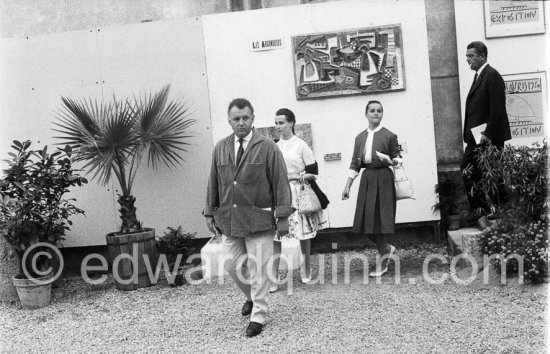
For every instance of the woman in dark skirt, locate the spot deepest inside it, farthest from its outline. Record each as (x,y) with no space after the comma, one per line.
(376,148)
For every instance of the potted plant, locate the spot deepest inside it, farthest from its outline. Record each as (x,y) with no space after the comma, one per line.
(176,246)
(114,138)
(33,211)
(448,202)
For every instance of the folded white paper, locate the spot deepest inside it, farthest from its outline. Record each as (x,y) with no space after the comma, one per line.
(383,157)
(476,132)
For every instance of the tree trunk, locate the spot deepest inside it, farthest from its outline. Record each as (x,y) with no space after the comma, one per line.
(127,210)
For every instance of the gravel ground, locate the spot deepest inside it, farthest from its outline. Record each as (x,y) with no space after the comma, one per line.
(413,316)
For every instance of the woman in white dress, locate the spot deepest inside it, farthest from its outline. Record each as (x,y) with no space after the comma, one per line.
(300,163)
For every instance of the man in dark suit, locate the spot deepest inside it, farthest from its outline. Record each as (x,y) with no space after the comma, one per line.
(485,104)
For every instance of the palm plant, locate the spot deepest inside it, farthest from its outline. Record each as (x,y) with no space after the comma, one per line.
(113,137)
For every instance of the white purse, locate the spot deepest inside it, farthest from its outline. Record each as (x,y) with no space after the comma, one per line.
(403,186)
(307,199)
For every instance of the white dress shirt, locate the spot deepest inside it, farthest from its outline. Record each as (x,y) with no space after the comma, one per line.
(478,72)
(246,140)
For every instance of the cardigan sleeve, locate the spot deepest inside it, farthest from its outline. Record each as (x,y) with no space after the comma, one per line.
(394,147)
(354,165)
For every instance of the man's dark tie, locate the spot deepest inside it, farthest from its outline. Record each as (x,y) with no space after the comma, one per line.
(240,152)
(473,83)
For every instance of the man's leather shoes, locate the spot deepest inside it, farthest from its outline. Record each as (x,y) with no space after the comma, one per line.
(247,308)
(254,328)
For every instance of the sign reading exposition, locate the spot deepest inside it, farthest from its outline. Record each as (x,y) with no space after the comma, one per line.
(526,103)
(505,18)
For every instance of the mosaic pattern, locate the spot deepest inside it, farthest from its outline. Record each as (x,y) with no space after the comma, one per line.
(350,62)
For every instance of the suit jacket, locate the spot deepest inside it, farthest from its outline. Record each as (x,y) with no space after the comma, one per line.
(242,198)
(384,141)
(486,103)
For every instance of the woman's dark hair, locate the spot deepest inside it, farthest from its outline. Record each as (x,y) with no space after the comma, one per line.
(288,115)
(480,48)
(372,102)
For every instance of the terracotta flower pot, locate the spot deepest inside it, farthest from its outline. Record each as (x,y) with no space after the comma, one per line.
(33,293)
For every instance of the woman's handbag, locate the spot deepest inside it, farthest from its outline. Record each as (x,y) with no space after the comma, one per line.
(307,199)
(403,186)
(314,170)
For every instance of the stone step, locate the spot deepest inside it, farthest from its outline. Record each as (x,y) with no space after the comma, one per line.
(212,257)
(466,241)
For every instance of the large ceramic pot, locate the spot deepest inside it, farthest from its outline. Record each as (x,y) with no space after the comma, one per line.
(129,254)
(33,293)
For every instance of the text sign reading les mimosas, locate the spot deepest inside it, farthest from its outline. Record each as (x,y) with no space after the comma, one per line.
(268,44)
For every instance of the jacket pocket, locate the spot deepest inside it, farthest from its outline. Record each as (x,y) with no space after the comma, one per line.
(262,219)
(225,172)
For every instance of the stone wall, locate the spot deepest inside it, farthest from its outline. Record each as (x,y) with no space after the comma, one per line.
(444,76)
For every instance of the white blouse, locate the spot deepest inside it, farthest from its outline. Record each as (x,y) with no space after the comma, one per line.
(296,153)
(368,151)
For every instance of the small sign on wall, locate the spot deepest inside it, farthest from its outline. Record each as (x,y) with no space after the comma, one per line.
(267,44)
(513,18)
(526,103)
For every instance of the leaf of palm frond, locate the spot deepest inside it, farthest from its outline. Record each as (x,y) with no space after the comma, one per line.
(166,153)
(162,129)
(101,131)
(77,121)
(166,143)
(96,167)
(152,107)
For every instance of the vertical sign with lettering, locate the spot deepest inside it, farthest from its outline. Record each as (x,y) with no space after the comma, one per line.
(526,104)
(513,18)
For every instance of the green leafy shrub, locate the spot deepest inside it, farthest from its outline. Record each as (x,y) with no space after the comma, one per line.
(32,208)
(524,171)
(530,242)
(521,226)
(175,242)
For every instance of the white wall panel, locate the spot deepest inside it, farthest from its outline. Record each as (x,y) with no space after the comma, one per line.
(142,58)
(36,72)
(117,60)
(267,79)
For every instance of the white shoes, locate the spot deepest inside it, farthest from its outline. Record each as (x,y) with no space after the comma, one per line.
(379,273)
(306,280)
(274,286)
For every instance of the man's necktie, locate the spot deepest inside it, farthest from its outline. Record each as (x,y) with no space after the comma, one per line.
(240,152)
(473,83)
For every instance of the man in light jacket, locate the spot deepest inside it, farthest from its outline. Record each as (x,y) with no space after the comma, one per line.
(248,198)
